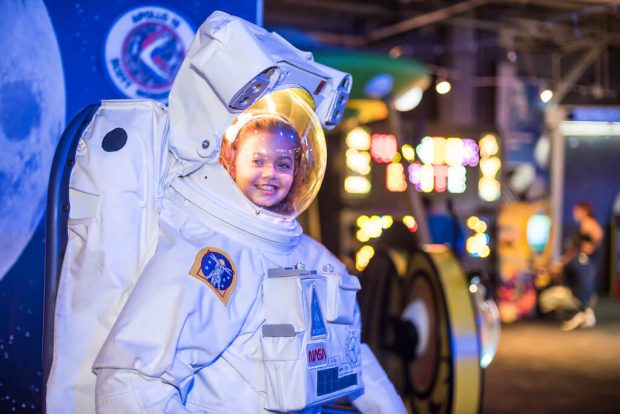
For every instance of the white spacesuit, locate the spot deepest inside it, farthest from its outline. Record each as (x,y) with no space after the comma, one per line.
(228,307)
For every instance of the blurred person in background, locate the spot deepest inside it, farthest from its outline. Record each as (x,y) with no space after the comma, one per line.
(579,264)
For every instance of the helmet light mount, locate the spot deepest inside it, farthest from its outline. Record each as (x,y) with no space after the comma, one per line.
(253,90)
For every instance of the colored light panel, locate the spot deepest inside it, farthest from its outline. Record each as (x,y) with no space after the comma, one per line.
(372,227)
(489,189)
(356,184)
(426,150)
(441,178)
(363,256)
(490,166)
(383,147)
(414,172)
(470,153)
(488,146)
(395,177)
(477,245)
(359,139)
(387,221)
(410,222)
(439,151)
(427,178)
(408,152)
(358,161)
(454,151)
(538,231)
(457,179)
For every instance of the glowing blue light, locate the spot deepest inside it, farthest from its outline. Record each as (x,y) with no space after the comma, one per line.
(538,231)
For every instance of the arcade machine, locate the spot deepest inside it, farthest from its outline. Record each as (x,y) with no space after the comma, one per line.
(524,252)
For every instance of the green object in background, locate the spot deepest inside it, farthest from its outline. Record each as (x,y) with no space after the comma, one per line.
(365,67)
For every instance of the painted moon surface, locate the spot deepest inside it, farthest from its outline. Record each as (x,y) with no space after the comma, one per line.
(32,118)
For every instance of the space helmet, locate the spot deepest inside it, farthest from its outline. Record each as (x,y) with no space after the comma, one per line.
(275,152)
(235,74)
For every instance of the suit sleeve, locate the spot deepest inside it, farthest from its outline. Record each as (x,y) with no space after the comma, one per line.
(379,396)
(171,326)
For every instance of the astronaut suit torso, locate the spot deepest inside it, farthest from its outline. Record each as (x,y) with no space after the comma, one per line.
(191,298)
(212,358)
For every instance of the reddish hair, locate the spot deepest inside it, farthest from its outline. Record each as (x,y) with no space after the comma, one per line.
(585,206)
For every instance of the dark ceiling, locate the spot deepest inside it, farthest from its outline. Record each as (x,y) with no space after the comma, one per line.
(570,46)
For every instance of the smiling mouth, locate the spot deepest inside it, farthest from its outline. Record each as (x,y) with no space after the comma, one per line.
(268,188)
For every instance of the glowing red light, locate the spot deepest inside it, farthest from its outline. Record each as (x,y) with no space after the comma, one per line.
(441,178)
(383,147)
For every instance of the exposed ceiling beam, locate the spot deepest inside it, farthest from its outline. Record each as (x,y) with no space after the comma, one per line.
(424,20)
(338,39)
(576,72)
(353,8)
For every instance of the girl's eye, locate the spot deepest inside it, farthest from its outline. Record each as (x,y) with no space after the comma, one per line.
(284,165)
(258,162)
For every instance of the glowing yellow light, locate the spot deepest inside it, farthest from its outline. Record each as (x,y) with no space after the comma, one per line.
(454,151)
(427,178)
(470,245)
(395,177)
(397,157)
(356,184)
(408,152)
(362,236)
(373,227)
(472,222)
(363,256)
(358,161)
(480,227)
(489,189)
(457,179)
(484,252)
(439,153)
(426,150)
(361,220)
(410,222)
(488,145)
(358,138)
(490,166)
(443,87)
(387,221)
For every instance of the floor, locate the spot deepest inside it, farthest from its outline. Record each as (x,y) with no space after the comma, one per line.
(540,369)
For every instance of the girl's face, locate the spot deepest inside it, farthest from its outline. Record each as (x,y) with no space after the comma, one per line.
(579,214)
(264,167)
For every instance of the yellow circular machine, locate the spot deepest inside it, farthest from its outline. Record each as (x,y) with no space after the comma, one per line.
(424,331)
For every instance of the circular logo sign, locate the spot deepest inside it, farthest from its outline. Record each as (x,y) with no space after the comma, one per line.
(144,50)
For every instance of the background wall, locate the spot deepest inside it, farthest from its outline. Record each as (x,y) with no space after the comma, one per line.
(59,56)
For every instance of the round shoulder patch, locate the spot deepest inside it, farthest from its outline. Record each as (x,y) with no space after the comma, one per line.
(216,269)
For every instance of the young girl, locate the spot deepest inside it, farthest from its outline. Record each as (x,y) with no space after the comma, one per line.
(264,159)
